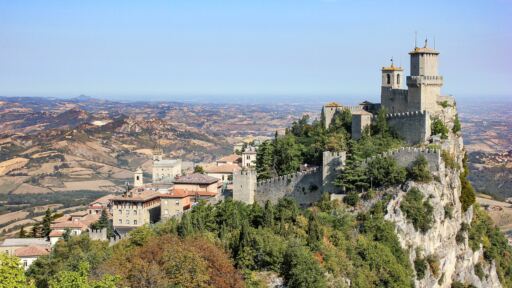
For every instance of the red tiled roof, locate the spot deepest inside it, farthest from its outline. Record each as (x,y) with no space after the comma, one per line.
(31,251)
(230,158)
(69,224)
(196,178)
(56,233)
(182,193)
(226,168)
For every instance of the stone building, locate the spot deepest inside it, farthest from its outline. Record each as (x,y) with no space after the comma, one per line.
(175,203)
(135,208)
(410,110)
(249,157)
(200,185)
(165,170)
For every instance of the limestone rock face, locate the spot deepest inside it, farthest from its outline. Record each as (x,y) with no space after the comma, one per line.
(456,261)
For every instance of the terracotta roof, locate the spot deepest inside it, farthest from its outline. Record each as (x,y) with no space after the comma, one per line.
(230,158)
(196,178)
(182,193)
(31,251)
(69,224)
(56,233)
(79,214)
(392,68)
(226,168)
(104,200)
(24,242)
(138,195)
(332,104)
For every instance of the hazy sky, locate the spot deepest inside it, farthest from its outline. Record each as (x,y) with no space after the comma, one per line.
(161,49)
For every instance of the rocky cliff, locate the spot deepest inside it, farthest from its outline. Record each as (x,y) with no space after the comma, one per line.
(443,249)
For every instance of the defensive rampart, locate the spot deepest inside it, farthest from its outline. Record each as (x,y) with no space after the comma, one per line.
(413,127)
(305,187)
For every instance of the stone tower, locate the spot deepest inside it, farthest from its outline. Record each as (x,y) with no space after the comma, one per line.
(158,154)
(244,186)
(425,82)
(138,178)
(392,77)
(332,162)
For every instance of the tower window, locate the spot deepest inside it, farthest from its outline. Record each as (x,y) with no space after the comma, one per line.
(398,79)
(388,76)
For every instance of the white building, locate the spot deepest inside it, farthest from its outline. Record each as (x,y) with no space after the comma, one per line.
(30,254)
(165,170)
(249,157)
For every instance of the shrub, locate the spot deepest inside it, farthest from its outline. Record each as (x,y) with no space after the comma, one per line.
(417,210)
(456,124)
(448,159)
(301,270)
(385,171)
(444,104)
(351,199)
(439,128)
(479,271)
(460,237)
(433,263)
(467,195)
(448,211)
(419,171)
(420,265)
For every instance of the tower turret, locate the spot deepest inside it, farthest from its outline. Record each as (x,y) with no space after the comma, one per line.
(138,178)
(425,82)
(392,76)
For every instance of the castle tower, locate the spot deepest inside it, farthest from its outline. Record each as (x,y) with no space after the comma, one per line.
(244,186)
(425,82)
(328,112)
(392,77)
(332,163)
(138,178)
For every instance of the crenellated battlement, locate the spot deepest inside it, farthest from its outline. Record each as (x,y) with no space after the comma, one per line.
(406,114)
(288,177)
(406,155)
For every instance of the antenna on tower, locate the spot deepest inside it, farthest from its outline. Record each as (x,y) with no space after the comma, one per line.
(434,42)
(415,39)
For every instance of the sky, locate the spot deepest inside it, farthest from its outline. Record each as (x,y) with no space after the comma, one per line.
(246,50)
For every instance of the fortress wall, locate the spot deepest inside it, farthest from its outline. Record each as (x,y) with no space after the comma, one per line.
(395,100)
(413,127)
(98,234)
(406,155)
(332,163)
(305,187)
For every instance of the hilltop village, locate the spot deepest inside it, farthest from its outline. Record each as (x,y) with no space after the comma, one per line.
(422,154)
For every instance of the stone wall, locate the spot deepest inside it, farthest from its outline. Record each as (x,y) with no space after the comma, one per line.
(413,127)
(406,155)
(244,186)
(332,163)
(305,187)
(394,100)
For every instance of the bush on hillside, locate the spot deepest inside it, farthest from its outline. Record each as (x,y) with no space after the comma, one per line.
(419,171)
(385,171)
(439,128)
(417,210)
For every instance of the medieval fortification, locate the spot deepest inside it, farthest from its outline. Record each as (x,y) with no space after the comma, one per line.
(409,114)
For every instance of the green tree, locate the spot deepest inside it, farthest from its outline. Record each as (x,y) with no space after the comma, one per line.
(47,222)
(79,279)
(417,210)
(385,171)
(439,128)
(11,273)
(380,125)
(315,233)
(341,121)
(301,270)
(198,169)
(287,155)
(36,230)
(419,170)
(467,195)
(265,160)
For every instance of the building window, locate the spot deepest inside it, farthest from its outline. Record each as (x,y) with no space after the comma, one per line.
(134,212)
(177,202)
(388,78)
(120,211)
(134,222)
(398,79)
(25,263)
(127,212)
(127,221)
(120,221)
